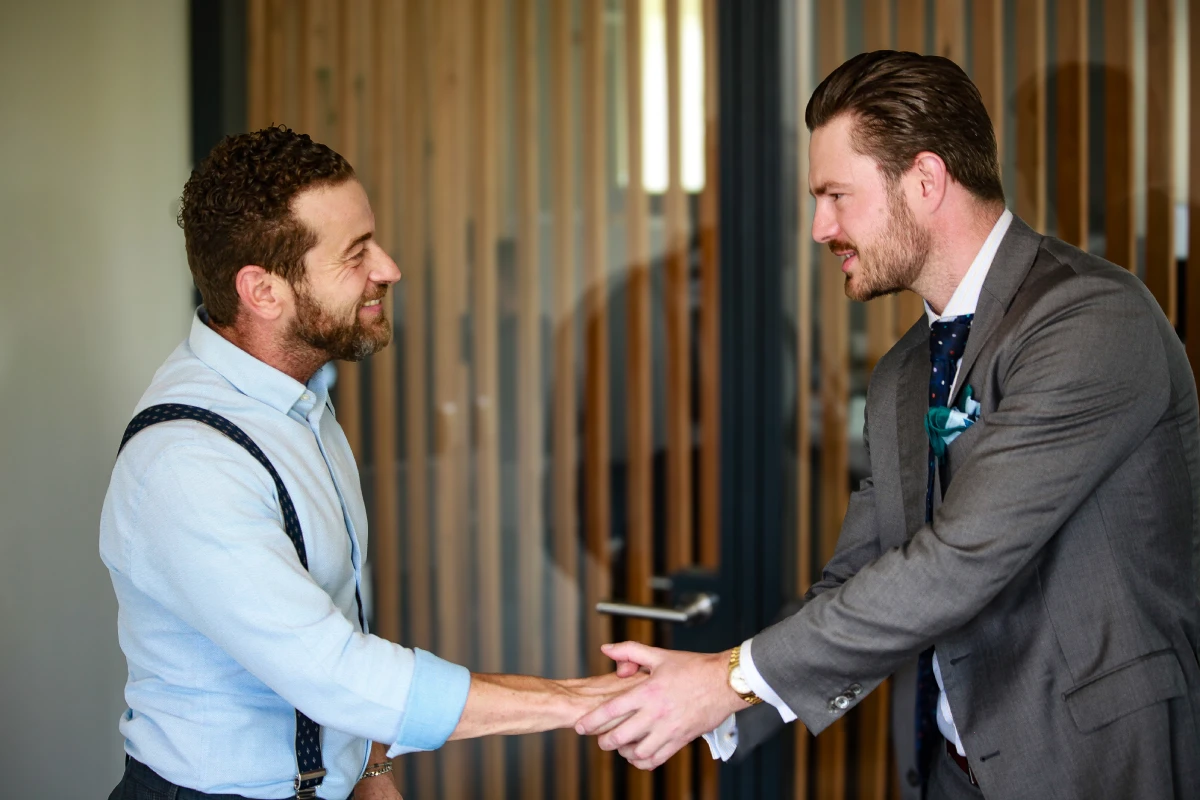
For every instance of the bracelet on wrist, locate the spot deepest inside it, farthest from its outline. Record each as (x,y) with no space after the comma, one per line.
(375,770)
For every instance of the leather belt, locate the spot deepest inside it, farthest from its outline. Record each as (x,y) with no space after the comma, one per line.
(961,761)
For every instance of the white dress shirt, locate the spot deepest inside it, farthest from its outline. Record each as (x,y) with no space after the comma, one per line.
(723,741)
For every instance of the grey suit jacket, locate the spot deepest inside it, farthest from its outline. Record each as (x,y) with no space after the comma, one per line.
(1059,578)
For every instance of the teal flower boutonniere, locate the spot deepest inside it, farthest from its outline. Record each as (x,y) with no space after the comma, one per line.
(943,425)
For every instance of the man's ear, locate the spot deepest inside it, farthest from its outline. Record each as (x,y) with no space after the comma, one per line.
(931,176)
(263,294)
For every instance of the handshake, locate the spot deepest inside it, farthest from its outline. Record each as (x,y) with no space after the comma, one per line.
(656,702)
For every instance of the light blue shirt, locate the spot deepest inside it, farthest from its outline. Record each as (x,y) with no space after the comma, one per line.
(224,631)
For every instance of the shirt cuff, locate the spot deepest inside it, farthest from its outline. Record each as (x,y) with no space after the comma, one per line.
(759,686)
(723,740)
(436,697)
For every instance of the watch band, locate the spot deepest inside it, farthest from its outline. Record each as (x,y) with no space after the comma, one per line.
(735,665)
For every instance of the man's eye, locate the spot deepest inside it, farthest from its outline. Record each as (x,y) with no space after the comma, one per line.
(836,196)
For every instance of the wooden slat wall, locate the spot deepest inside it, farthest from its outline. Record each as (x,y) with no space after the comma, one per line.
(1119,119)
(835,397)
(709,325)
(881,315)
(639,381)
(487,561)
(987,62)
(566,449)
(1072,158)
(529,401)
(450,18)
(418,588)
(1031,113)
(1160,154)
(950,30)
(804,347)
(1192,307)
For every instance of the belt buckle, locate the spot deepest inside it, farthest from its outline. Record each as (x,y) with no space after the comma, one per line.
(309,792)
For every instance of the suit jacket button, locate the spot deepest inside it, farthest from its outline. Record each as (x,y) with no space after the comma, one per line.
(913,778)
(855,689)
(842,702)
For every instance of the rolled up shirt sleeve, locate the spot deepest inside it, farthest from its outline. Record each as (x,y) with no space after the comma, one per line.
(207,544)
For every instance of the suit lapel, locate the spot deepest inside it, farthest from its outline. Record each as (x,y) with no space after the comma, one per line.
(1013,260)
(912,402)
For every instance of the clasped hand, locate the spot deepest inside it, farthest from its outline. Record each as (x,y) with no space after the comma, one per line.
(684,696)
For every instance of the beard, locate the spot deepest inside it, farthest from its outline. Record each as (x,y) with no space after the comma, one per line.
(894,260)
(339,334)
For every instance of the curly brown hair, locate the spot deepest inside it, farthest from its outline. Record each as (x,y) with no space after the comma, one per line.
(236,210)
(905,104)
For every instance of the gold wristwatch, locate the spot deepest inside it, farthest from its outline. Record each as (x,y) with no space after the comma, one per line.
(737,680)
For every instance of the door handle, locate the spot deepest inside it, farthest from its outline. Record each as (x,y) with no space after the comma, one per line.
(692,609)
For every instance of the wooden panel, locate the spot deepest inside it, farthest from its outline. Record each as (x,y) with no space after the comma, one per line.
(835,397)
(910,35)
(256,64)
(640,549)
(1119,119)
(348,387)
(385,531)
(950,31)
(276,62)
(488,562)
(1160,154)
(881,313)
(987,62)
(804,357)
(1072,200)
(597,431)
(418,589)
(566,449)
(710,321)
(1031,113)
(1192,309)
(448,254)
(530,466)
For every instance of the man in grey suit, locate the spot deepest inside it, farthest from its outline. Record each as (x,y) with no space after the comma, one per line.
(1025,555)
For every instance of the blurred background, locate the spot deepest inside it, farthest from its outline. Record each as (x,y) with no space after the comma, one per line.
(621,370)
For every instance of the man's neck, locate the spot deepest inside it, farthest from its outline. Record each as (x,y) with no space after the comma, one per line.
(953,253)
(300,363)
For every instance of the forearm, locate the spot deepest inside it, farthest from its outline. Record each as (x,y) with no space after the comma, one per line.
(516,704)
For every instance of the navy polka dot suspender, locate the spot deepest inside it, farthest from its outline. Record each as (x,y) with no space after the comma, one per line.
(308,733)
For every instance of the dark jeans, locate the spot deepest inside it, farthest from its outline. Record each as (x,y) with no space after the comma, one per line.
(142,783)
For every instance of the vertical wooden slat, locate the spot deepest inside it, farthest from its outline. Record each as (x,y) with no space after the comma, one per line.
(709,324)
(910,35)
(418,588)
(1072,201)
(835,396)
(1160,154)
(805,41)
(1192,309)
(385,534)
(529,399)
(680,531)
(449,253)
(276,62)
(348,387)
(1031,113)
(598,498)
(566,450)
(1119,119)
(881,313)
(950,31)
(256,64)
(987,62)
(640,550)
(488,559)
(307,60)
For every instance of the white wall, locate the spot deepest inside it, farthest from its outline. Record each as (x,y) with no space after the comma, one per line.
(94,293)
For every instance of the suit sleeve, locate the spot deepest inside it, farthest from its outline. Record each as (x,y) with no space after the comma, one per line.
(1084,379)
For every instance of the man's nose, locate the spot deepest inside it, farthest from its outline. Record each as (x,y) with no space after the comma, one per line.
(825,227)
(385,270)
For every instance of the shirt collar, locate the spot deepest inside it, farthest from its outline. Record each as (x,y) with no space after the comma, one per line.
(255,378)
(966,295)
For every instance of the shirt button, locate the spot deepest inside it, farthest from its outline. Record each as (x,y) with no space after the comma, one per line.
(306,396)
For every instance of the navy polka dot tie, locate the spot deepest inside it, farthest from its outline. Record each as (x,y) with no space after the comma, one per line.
(308,733)
(947,340)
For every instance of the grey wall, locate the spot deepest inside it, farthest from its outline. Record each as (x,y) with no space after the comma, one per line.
(94,293)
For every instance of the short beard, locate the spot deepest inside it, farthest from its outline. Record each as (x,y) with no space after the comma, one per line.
(895,261)
(319,329)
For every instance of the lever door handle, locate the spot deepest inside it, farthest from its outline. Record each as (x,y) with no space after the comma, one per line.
(692,609)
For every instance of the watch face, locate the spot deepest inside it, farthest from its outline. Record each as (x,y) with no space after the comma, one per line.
(738,682)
